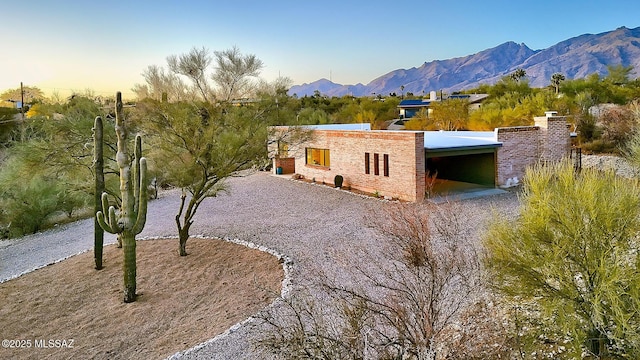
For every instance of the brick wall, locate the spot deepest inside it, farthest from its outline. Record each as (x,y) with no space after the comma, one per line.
(287,164)
(523,146)
(405,150)
(520,148)
(555,142)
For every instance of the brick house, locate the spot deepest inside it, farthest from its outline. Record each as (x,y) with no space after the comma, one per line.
(394,163)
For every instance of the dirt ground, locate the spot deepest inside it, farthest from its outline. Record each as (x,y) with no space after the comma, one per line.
(70,310)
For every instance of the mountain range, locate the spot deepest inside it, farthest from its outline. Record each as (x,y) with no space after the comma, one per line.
(575,58)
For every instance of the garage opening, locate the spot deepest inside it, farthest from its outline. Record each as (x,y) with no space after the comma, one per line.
(472,168)
(461,171)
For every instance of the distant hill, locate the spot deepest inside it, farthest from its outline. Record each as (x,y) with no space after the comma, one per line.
(577,57)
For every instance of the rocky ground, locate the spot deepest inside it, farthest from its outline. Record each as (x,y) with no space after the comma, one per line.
(316,226)
(608,162)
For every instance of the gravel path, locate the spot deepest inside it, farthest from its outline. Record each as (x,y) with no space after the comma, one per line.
(316,226)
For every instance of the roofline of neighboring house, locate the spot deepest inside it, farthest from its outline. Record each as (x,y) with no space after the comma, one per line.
(473,99)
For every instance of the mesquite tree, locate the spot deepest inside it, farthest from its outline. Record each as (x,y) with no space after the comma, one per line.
(98,158)
(130,220)
(196,147)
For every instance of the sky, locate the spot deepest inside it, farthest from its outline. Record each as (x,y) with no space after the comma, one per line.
(66,46)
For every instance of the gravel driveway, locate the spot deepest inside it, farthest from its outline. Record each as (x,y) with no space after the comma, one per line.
(316,226)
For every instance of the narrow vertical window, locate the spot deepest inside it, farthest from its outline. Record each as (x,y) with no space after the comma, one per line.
(376,164)
(386,164)
(366,163)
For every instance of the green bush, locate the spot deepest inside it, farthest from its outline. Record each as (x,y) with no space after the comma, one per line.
(569,262)
(28,206)
(599,146)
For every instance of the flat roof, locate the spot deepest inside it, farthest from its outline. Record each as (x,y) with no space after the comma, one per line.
(456,140)
(356,126)
(433,140)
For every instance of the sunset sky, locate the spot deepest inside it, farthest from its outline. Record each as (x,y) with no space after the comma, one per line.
(64,46)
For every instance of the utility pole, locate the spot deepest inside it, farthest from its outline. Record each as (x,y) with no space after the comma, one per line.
(22,130)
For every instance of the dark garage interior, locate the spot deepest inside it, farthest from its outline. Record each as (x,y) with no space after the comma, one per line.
(463,166)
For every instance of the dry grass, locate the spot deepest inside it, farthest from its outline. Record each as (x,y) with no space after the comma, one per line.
(182,301)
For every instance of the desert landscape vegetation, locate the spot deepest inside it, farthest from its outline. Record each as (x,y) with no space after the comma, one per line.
(551,269)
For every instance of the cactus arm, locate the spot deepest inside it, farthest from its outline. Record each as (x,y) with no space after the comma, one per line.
(142,197)
(137,154)
(108,224)
(113,220)
(105,202)
(103,224)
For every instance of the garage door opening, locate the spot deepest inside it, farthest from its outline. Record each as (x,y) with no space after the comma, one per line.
(460,172)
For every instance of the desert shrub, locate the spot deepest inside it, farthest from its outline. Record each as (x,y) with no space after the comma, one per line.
(28,205)
(570,261)
(406,302)
(599,146)
(31,194)
(586,128)
(618,124)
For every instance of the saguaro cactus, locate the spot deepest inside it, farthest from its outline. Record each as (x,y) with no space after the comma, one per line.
(98,163)
(130,220)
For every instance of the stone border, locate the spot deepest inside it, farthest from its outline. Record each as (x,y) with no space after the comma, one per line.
(44,266)
(287,284)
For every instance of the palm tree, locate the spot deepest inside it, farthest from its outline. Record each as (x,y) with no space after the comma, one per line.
(518,74)
(556,79)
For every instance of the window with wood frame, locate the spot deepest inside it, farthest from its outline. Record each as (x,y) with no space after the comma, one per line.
(376,164)
(385,164)
(318,157)
(367,162)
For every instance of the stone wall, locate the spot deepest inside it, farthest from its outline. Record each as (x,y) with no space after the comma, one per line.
(348,149)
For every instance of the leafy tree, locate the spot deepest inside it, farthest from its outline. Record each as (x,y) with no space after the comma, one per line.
(310,116)
(161,83)
(228,81)
(196,146)
(27,198)
(451,114)
(571,259)
(233,70)
(194,66)
(487,118)
(57,151)
(366,116)
(618,74)
(31,94)
(420,121)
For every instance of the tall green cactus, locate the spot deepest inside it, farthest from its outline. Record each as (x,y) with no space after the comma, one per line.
(130,220)
(98,163)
